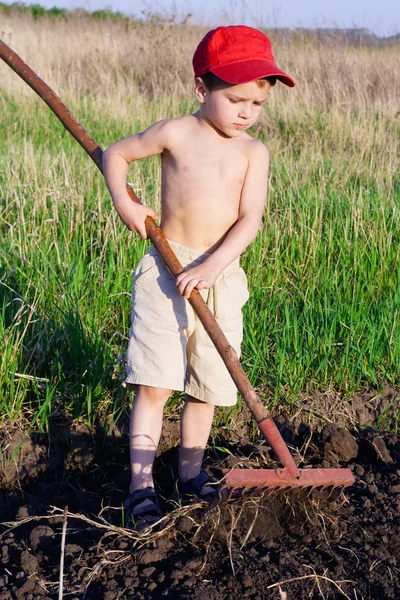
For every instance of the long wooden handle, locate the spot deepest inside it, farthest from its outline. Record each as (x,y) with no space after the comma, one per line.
(156,235)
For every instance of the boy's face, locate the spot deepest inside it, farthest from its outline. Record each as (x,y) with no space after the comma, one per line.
(232,108)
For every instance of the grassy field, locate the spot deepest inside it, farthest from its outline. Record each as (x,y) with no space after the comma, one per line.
(324,272)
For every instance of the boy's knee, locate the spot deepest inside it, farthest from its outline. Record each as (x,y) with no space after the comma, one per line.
(153,394)
(192,400)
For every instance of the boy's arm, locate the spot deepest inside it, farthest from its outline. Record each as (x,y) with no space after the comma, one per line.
(116,160)
(244,231)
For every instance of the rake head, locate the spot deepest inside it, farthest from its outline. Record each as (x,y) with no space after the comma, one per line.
(328,482)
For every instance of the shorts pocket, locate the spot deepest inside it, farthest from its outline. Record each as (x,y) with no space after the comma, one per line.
(145,269)
(233,295)
(236,286)
(243,281)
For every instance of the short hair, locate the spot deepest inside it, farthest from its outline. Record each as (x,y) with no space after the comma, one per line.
(213,82)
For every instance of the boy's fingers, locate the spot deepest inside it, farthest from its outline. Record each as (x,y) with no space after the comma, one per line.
(188,290)
(179,278)
(142,232)
(184,287)
(151,213)
(182,281)
(199,284)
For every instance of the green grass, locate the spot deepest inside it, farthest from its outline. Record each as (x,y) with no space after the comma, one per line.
(37,11)
(323,273)
(328,291)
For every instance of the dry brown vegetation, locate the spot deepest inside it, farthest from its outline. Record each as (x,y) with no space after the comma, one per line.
(116,60)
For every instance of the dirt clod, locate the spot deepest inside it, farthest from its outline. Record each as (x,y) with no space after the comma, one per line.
(29,563)
(149,572)
(339,444)
(41,537)
(381,452)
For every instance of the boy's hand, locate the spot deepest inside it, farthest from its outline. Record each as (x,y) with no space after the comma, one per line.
(134,215)
(201,277)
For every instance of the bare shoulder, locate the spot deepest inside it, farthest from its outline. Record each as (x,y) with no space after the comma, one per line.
(256,150)
(172,130)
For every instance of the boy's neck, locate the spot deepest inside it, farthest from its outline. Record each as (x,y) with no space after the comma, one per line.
(208,125)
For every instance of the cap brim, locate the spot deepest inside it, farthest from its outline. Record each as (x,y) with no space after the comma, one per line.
(245,71)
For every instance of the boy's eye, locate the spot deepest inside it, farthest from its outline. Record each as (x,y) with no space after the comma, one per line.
(233,101)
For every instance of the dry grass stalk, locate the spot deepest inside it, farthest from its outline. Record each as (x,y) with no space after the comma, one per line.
(316,578)
(139,539)
(62,553)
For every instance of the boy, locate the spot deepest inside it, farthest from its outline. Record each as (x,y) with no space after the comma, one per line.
(214,185)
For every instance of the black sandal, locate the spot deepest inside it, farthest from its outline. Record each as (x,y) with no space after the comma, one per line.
(139,517)
(191,489)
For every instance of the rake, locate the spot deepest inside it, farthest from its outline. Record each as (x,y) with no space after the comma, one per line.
(288,476)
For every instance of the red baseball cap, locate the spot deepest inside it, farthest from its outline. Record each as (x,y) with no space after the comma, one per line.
(237,54)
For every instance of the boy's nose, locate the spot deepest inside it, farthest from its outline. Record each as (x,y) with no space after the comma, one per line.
(245,112)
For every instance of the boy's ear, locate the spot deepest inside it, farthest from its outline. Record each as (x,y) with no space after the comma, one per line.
(200,90)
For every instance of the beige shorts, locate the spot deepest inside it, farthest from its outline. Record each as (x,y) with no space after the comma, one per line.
(168,346)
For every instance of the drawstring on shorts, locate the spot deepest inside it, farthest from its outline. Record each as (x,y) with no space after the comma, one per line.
(212,300)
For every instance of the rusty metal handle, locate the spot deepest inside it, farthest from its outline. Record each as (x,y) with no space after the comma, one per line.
(156,235)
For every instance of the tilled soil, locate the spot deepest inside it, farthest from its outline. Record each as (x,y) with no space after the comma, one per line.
(278,546)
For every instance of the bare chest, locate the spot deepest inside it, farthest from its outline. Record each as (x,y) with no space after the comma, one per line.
(213,166)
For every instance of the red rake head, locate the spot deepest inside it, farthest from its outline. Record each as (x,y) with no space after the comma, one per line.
(325,480)
(287,478)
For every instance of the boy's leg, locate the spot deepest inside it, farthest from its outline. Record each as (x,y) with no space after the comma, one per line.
(145,430)
(196,422)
